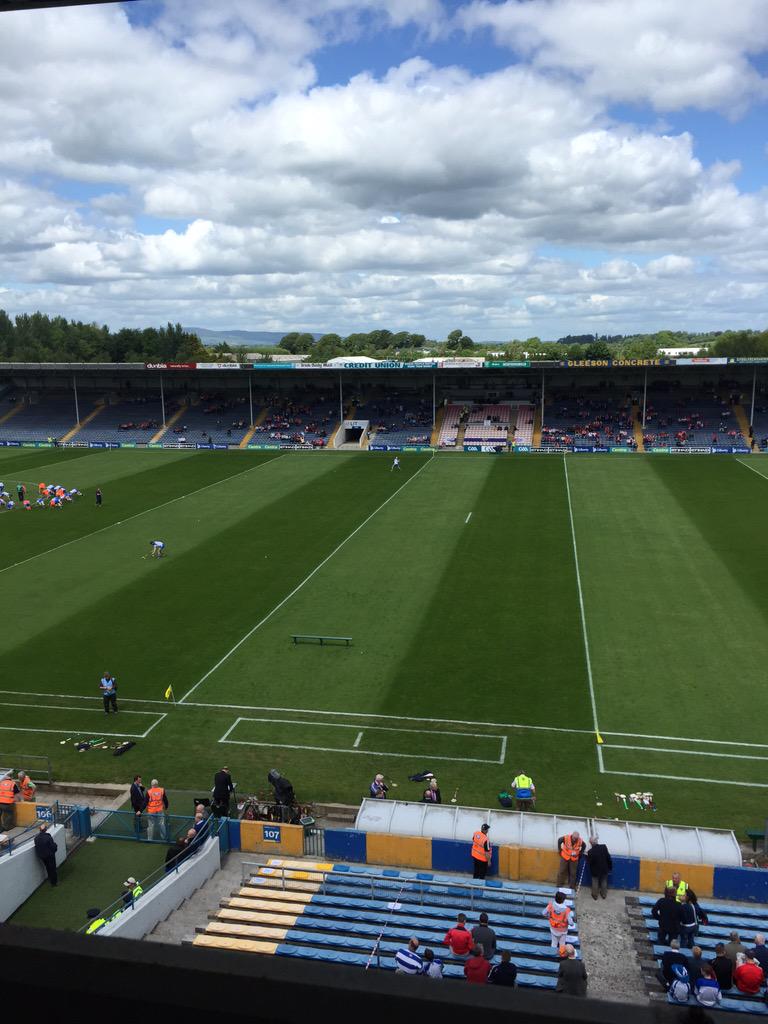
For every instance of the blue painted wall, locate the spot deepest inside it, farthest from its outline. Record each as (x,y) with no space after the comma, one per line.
(454,855)
(345,844)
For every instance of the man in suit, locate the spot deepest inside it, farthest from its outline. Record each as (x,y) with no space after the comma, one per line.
(45,848)
(222,792)
(138,802)
(571,974)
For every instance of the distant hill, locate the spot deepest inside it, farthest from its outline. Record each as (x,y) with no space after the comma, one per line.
(249,338)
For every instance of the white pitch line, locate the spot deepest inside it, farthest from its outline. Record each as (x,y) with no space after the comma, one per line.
(303,583)
(356,744)
(154,724)
(63,707)
(385,728)
(693,778)
(503,755)
(747,466)
(61,732)
(688,753)
(136,515)
(583,618)
(77,696)
(683,739)
(373,753)
(468,518)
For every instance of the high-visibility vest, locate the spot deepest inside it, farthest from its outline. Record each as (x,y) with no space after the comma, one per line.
(136,891)
(570,850)
(679,889)
(155,795)
(27,788)
(523,786)
(7,795)
(479,839)
(558,919)
(94,926)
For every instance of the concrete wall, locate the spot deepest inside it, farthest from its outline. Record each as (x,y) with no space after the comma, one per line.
(21,872)
(166,895)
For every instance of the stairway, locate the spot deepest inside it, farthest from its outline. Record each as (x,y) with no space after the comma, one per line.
(637,427)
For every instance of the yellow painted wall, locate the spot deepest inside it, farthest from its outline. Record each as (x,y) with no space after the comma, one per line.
(26,813)
(252,838)
(654,873)
(402,851)
(509,862)
(539,865)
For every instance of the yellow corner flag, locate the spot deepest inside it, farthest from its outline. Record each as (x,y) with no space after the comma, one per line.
(599,737)
(169,695)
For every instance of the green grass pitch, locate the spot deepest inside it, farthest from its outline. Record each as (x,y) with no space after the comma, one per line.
(501,609)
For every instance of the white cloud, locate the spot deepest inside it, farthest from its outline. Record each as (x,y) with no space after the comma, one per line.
(670,53)
(282,192)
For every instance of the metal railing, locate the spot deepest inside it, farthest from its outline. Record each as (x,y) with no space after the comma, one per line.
(28,833)
(216,830)
(420,887)
(149,828)
(37,765)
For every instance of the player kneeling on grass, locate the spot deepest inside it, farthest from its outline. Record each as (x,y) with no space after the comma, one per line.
(157,548)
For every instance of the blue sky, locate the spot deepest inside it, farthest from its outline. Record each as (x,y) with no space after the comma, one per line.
(513,167)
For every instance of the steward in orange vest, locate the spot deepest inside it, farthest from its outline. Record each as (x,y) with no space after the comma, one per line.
(27,787)
(481,852)
(571,848)
(8,793)
(559,916)
(157,805)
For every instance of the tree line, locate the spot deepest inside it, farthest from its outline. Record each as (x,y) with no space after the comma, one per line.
(38,338)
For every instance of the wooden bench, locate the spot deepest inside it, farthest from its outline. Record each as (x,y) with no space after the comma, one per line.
(754,834)
(308,638)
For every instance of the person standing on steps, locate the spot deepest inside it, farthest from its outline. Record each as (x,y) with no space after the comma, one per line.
(600,864)
(481,852)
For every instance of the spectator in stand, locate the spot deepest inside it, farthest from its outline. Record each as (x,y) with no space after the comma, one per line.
(560,917)
(723,967)
(504,973)
(706,988)
(484,936)
(458,939)
(433,967)
(408,960)
(666,913)
(600,864)
(701,914)
(689,924)
(669,958)
(734,947)
(749,976)
(760,952)
(695,965)
(477,968)
(571,974)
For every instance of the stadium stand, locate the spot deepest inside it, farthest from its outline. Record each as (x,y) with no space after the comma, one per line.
(488,424)
(601,420)
(747,919)
(397,420)
(52,416)
(305,420)
(524,425)
(335,913)
(216,417)
(449,429)
(690,421)
(137,418)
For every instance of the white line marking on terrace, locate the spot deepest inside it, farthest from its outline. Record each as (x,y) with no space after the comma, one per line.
(468,518)
(303,583)
(693,778)
(136,515)
(583,619)
(356,744)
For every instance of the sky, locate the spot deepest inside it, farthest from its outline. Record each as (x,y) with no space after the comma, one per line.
(507,167)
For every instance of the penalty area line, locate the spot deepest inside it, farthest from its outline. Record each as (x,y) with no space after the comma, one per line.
(693,778)
(303,583)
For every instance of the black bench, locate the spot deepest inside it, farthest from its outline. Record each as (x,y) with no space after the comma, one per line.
(310,639)
(754,834)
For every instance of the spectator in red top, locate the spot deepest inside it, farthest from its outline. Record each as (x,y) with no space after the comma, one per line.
(476,969)
(459,938)
(748,976)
